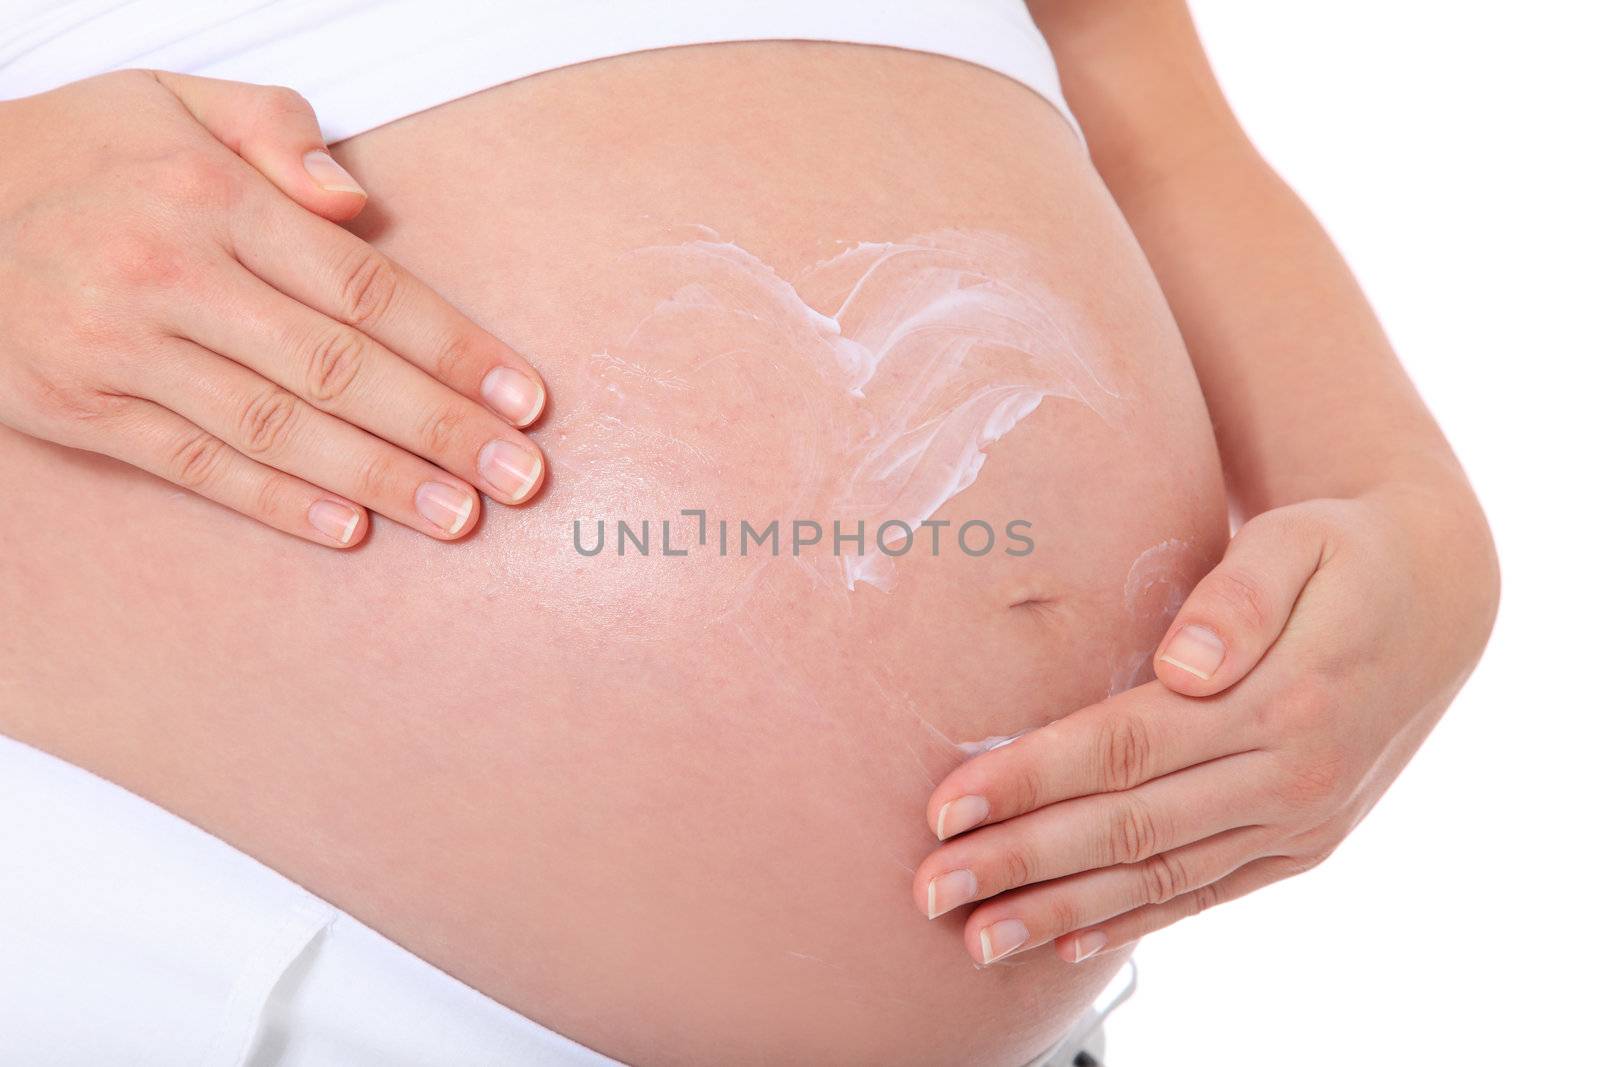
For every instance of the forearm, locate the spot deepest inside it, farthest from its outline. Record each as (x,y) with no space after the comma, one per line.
(1306,395)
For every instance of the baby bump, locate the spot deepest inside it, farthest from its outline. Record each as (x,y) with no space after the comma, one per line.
(866,452)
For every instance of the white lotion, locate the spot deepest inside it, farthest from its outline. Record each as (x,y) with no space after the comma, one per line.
(917,356)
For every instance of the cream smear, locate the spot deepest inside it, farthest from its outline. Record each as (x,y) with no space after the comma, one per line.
(916,357)
(1158,583)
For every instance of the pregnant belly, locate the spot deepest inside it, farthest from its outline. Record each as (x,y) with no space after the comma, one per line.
(871,442)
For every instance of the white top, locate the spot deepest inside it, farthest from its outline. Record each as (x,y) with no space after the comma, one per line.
(363,63)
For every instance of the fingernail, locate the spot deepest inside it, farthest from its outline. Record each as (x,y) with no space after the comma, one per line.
(445,506)
(335,520)
(513,471)
(959,815)
(1195,649)
(514,395)
(1002,939)
(950,890)
(1086,945)
(327,173)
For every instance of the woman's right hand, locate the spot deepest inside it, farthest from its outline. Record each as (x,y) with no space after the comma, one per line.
(177,294)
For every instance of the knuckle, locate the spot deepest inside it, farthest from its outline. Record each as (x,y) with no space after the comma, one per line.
(1243,598)
(1017,865)
(1125,749)
(277,102)
(367,284)
(1165,877)
(376,478)
(273,495)
(335,360)
(1204,899)
(1026,786)
(457,357)
(442,431)
(1313,703)
(139,260)
(1132,833)
(1302,710)
(265,422)
(197,460)
(1064,914)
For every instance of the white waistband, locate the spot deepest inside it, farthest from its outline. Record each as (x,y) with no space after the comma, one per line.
(132,937)
(363,63)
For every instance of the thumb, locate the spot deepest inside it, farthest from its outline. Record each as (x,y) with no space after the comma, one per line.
(1238,610)
(276,132)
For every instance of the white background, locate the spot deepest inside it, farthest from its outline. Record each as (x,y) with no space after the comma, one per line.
(1449,148)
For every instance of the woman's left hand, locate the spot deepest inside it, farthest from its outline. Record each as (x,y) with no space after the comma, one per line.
(1294,684)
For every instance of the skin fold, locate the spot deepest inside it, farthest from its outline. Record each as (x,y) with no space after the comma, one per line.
(668,807)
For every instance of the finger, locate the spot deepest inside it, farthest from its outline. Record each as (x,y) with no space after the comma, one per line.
(1129,927)
(1238,610)
(272,427)
(171,447)
(276,132)
(347,374)
(1115,745)
(1104,830)
(1067,905)
(340,275)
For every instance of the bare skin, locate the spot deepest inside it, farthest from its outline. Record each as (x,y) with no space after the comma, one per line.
(672,834)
